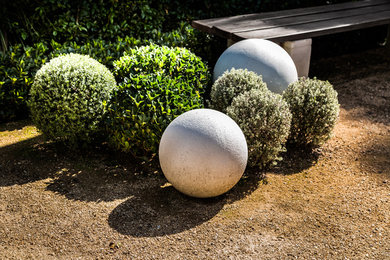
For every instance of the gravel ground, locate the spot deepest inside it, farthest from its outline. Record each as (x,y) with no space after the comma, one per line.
(332,203)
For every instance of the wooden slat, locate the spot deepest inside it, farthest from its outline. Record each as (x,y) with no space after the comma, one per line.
(299,23)
(207,25)
(308,30)
(251,25)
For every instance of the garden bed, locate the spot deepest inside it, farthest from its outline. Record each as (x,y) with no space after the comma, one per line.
(331,203)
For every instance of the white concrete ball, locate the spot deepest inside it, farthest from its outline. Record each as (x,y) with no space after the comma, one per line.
(263,57)
(203,153)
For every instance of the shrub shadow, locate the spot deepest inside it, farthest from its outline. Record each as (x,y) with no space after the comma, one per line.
(375,158)
(295,160)
(11,126)
(151,207)
(97,175)
(25,162)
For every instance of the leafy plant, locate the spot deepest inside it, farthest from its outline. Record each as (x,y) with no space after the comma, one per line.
(156,84)
(17,69)
(69,97)
(265,120)
(231,84)
(315,109)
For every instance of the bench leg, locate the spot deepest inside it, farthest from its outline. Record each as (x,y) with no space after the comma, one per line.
(300,52)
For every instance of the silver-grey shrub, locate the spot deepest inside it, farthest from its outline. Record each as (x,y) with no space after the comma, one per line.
(315,109)
(231,84)
(265,119)
(68,98)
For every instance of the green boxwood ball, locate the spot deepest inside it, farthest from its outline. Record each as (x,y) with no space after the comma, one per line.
(264,118)
(315,109)
(231,84)
(68,98)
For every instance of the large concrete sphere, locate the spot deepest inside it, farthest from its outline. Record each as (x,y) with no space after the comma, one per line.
(264,57)
(203,153)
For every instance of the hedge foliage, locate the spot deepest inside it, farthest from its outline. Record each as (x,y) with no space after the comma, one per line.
(156,84)
(79,21)
(17,69)
(69,98)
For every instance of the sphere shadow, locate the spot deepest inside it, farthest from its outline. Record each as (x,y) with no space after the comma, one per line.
(159,209)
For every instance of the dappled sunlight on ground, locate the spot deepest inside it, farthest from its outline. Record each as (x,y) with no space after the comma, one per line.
(13,133)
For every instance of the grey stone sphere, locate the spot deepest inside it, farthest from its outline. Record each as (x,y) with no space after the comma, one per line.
(203,153)
(263,57)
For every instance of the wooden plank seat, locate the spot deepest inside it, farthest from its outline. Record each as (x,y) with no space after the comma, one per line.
(293,29)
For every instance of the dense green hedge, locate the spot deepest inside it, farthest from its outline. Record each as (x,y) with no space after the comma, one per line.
(30,21)
(17,69)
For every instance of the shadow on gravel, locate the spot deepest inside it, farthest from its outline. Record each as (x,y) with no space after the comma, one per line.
(23,162)
(11,126)
(375,159)
(158,209)
(361,80)
(351,66)
(296,160)
(99,175)
(95,174)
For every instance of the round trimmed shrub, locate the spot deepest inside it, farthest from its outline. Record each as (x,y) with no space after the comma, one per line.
(315,109)
(232,83)
(265,120)
(68,98)
(175,62)
(156,84)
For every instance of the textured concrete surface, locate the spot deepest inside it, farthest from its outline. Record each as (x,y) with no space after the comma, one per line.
(300,52)
(264,57)
(203,153)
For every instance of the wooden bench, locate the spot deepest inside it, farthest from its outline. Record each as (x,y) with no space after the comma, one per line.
(293,29)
